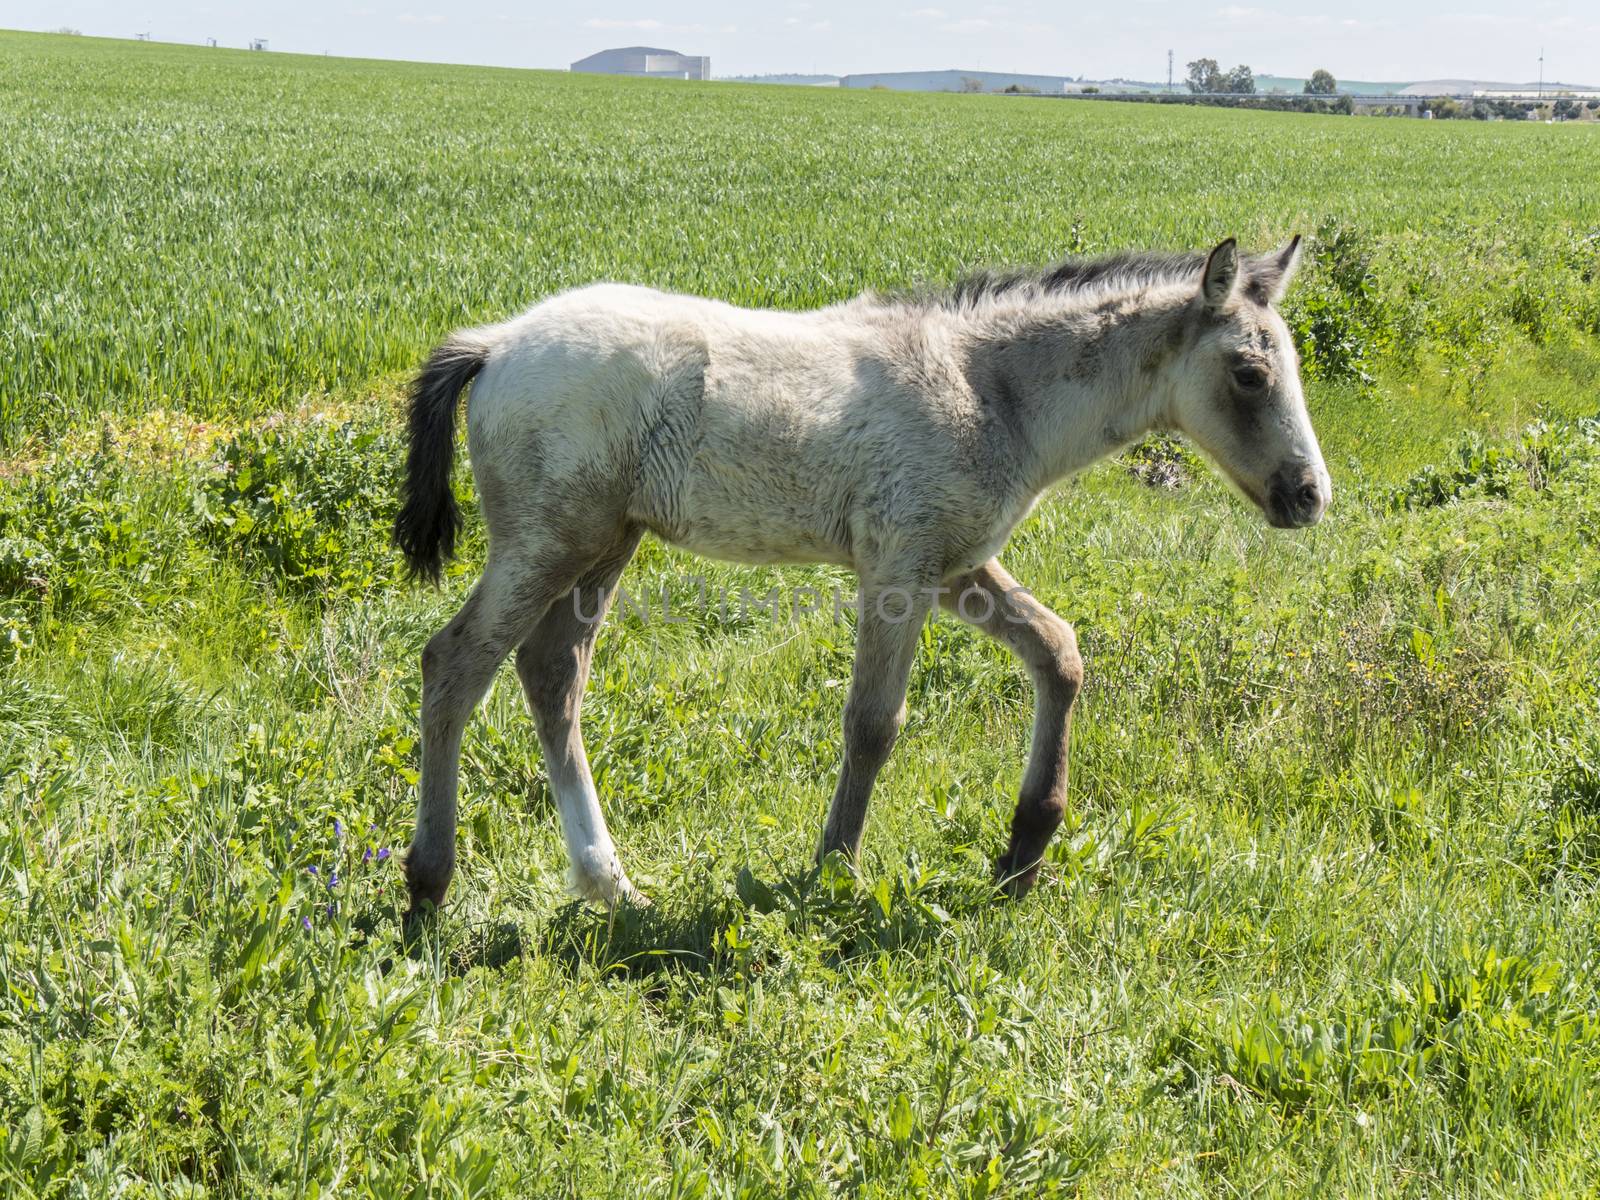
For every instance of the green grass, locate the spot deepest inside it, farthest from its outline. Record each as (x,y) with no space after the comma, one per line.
(1322,919)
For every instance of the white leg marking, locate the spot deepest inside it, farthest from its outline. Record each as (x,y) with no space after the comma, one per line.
(595,872)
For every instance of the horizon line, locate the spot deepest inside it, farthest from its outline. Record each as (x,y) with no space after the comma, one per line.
(204,44)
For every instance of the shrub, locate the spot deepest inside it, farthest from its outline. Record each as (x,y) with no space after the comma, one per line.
(1336,315)
(1484,470)
(1162,462)
(69,533)
(311,504)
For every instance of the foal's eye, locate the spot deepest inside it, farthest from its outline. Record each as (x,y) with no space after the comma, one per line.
(1250,378)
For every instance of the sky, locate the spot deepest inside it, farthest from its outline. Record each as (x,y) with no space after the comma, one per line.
(1355,39)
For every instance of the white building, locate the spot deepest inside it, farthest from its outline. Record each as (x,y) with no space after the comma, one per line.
(646,62)
(1547,95)
(954,81)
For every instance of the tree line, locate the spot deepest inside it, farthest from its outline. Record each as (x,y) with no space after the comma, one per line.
(1207,78)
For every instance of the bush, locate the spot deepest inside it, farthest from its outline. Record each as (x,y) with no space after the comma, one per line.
(311,504)
(1540,454)
(70,533)
(1336,315)
(305,505)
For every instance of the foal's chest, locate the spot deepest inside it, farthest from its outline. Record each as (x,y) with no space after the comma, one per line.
(991,541)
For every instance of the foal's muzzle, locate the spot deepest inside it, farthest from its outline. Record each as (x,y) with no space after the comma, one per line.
(1297,496)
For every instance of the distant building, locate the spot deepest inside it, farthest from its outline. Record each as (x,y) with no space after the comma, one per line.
(647,62)
(1548,93)
(955,81)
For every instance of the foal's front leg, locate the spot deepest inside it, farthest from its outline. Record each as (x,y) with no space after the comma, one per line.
(993,601)
(886,643)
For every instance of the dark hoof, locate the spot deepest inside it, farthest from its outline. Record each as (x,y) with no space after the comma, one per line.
(417,918)
(1015,878)
(427,879)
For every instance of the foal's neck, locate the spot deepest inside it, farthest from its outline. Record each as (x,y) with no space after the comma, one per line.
(1079,379)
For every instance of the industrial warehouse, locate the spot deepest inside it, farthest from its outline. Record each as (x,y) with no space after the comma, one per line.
(646,62)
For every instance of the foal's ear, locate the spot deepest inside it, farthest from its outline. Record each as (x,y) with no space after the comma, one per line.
(1273,272)
(1221,273)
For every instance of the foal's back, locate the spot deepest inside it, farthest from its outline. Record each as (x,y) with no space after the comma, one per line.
(745,434)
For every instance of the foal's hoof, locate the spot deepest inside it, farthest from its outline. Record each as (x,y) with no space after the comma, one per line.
(1016,879)
(607,884)
(633,898)
(417,919)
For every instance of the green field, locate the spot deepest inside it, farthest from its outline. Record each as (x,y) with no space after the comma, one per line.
(1323,916)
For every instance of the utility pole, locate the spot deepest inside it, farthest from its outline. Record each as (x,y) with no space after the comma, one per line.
(1541,74)
(1169,70)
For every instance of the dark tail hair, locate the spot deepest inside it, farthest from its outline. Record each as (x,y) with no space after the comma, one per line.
(426,526)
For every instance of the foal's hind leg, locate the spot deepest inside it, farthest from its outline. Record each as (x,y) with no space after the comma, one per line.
(553,664)
(458,665)
(993,601)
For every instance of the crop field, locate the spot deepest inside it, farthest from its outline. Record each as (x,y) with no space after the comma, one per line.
(1323,917)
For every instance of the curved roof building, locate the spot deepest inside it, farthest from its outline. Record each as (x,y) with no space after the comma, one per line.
(647,62)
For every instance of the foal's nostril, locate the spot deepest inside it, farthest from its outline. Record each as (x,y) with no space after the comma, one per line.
(1297,495)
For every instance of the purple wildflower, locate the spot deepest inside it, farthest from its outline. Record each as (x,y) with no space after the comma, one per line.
(333,879)
(383,854)
(306,921)
(338,829)
(313,869)
(366,856)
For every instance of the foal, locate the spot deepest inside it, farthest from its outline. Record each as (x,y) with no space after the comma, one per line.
(901,437)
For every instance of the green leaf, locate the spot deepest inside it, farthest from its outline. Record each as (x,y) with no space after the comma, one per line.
(900,1119)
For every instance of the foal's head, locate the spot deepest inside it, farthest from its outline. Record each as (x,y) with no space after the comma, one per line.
(1239,395)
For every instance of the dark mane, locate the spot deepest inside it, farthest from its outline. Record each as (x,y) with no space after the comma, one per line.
(1126,268)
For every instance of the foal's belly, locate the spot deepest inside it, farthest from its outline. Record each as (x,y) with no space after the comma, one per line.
(743,505)
(761,543)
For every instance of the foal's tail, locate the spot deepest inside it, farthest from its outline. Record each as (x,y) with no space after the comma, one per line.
(425,528)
